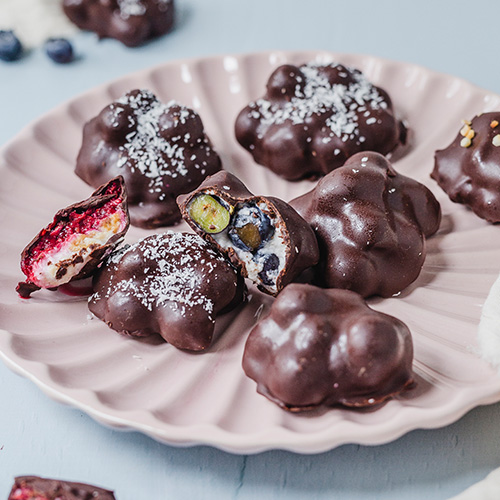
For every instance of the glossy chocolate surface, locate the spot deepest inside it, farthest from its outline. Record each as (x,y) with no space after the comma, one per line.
(132,22)
(161,150)
(291,237)
(172,284)
(39,488)
(371,224)
(322,347)
(468,170)
(315,116)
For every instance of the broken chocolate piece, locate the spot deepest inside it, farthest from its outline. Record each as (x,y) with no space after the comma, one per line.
(326,347)
(77,241)
(39,488)
(132,22)
(315,116)
(371,224)
(265,237)
(172,284)
(161,150)
(468,170)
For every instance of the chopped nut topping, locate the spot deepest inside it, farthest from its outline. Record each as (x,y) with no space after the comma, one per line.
(496,140)
(465,130)
(493,124)
(470,134)
(465,142)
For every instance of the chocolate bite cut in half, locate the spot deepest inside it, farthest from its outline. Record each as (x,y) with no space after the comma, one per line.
(132,22)
(327,347)
(39,488)
(262,236)
(78,239)
(315,116)
(371,223)
(171,284)
(468,170)
(161,150)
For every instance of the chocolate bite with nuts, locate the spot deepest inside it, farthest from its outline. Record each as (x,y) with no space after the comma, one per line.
(171,284)
(264,237)
(315,116)
(40,488)
(327,347)
(76,242)
(132,22)
(161,150)
(371,224)
(468,170)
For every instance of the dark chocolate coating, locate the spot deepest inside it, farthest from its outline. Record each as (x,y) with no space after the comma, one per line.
(114,190)
(172,284)
(301,244)
(161,150)
(471,175)
(55,489)
(371,224)
(132,22)
(326,347)
(313,117)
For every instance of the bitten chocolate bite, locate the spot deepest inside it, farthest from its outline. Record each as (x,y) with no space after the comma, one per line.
(170,284)
(371,224)
(132,22)
(161,150)
(468,170)
(315,116)
(326,347)
(264,237)
(76,242)
(39,488)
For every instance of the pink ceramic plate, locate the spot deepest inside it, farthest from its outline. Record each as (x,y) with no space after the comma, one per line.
(187,399)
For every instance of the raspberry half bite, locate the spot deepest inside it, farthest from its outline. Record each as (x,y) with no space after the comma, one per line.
(263,236)
(40,488)
(75,243)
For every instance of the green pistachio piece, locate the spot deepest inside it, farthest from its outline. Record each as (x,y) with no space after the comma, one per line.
(209,214)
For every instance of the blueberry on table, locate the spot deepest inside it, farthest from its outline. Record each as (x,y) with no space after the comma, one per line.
(59,50)
(10,46)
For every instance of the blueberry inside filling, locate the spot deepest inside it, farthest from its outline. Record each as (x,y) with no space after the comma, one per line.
(270,268)
(250,228)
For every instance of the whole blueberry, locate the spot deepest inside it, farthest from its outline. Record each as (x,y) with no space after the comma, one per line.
(246,217)
(59,50)
(10,46)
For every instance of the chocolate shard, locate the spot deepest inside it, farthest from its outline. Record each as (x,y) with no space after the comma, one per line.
(132,22)
(171,284)
(468,170)
(161,150)
(315,116)
(371,224)
(320,348)
(263,236)
(39,488)
(78,239)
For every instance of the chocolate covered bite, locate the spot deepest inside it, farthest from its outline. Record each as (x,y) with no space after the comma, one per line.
(468,170)
(39,488)
(327,347)
(170,284)
(315,116)
(132,22)
(78,239)
(371,224)
(161,150)
(262,236)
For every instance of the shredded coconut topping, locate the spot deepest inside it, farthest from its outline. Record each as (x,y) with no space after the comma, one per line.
(153,155)
(318,96)
(174,269)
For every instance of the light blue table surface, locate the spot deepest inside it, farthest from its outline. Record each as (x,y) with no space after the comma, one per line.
(39,436)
